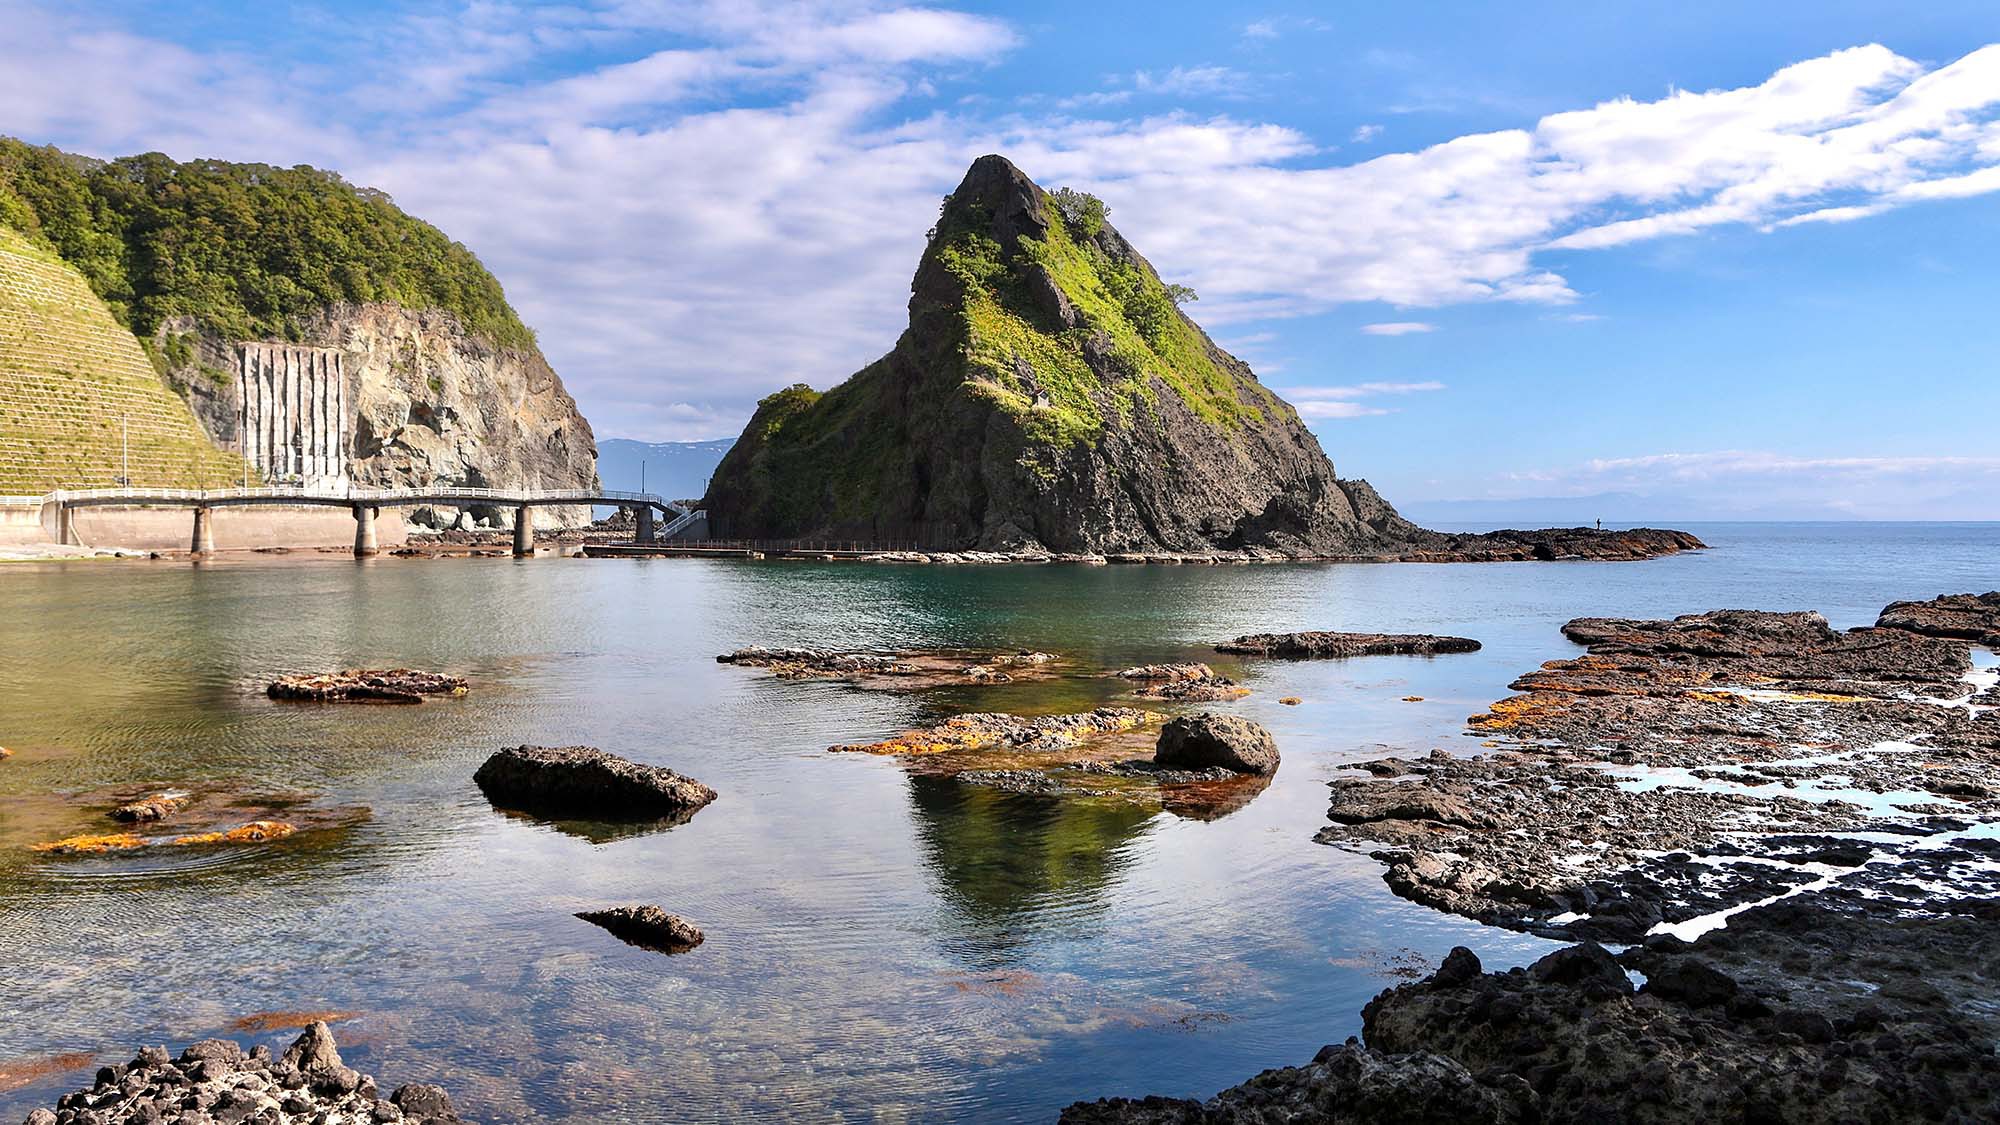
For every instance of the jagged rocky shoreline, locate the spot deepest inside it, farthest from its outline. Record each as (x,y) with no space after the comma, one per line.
(1788,834)
(217,1082)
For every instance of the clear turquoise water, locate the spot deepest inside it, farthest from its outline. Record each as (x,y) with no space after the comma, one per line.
(881,946)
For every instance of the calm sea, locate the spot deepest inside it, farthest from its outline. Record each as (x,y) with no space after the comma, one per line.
(881,946)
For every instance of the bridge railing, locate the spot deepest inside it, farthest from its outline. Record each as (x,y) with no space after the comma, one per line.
(350,494)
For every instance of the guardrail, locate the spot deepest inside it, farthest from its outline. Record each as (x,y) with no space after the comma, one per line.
(351,495)
(679,522)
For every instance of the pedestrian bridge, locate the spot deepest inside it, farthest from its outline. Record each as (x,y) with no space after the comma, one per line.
(366,502)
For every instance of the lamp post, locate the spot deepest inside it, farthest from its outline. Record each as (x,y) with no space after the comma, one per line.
(125,441)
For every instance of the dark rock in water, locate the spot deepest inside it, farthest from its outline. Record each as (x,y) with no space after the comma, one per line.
(901,670)
(1808,1013)
(366,685)
(1970,617)
(647,926)
(584,781)
(1049,395)
(159,806)
(1310,645)
(1208,739)
(1343,1085)
(214,1082)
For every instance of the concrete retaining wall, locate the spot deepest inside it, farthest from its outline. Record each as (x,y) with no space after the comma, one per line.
(236,529)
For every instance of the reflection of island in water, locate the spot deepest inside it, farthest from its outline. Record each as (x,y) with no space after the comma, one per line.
(1009,864)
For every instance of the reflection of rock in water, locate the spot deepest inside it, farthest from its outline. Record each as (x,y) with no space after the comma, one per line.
(1010,863)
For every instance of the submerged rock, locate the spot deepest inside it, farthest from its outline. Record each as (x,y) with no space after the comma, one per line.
(901,670)
(1209,740)
(366,685)
(584,781)
(216,1081)
(1321,644)
(646,926)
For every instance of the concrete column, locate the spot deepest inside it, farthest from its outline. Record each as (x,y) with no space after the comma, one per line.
(364,531)
(66,526)
(644,513)
(204,532)
(524,532)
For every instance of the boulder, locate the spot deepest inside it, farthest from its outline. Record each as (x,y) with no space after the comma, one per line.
(583,781)
(648,927)
(1208,739)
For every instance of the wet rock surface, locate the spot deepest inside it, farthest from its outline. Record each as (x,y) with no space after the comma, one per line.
(215,1082)
(158,806)
(365,685)
(1552,544)
(584,781)
(897,671)
(1211,741)
(648,927)
(1968,617)
(1679,768)
(1315,645)
(1186,683)
(987,730)
(1816,810)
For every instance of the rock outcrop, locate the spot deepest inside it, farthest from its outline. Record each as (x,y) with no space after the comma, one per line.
(1312,645)
(1208,741)
(583,781)
(648,927)
(365,685)
(215,1081)
(1050,395)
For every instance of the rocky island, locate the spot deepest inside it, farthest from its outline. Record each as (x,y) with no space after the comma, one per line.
(1051,396)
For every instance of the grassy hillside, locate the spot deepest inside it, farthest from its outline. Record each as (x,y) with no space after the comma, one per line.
(74,386)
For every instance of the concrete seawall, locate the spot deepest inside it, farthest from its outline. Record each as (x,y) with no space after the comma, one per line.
(235,528)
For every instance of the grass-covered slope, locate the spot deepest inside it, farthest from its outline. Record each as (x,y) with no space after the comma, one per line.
(76,393)
(1049,390)
(247,250)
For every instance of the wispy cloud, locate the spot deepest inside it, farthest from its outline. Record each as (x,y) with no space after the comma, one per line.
(1398,328)
(1346,401)
(1730,482)
(731,196)
(1364,133)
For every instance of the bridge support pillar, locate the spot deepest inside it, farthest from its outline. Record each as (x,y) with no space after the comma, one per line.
(66,526)
(644,514)
(364,531)
(524,532)
(204,532)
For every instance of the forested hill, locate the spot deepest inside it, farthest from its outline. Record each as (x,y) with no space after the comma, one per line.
(249,250)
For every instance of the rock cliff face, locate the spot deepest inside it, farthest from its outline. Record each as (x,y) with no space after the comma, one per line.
(1048,392)
(425,402)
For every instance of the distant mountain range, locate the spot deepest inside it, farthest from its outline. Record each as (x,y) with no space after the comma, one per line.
(677,470)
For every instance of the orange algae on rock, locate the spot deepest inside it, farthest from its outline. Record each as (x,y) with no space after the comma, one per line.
(1291,701)
(258,1022)
(255,832)
(92,844)
(16,1073)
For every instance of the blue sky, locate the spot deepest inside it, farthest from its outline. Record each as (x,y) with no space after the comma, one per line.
(1731,260)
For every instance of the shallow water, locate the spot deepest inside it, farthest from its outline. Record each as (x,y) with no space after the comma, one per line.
(881,946)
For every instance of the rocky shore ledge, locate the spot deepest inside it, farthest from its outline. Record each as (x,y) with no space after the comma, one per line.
(216,1082)
(1791,837)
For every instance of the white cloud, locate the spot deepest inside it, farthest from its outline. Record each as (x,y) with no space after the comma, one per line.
(1365,133)
(1761,483)
(734,196)
(1398,328)
(1261,29)
(1190,81)
(1341,401)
